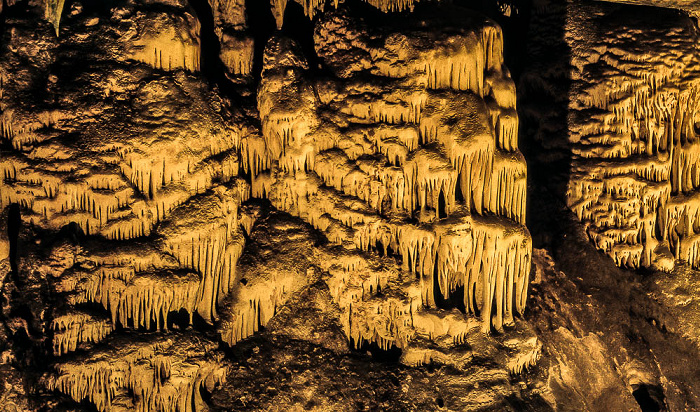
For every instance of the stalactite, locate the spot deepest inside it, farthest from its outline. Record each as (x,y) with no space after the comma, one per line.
(52,12)
(168,46)
(493,256)
(468,142)
(73,328)
(278,8)
(633,177)
(508,188)
(136,298)
(149,369)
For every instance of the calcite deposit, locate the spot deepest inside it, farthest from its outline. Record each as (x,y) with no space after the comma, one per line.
(323,205)
(633,135)
(377,164)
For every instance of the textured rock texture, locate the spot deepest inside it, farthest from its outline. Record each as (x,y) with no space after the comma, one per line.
(322,205)
(633,134)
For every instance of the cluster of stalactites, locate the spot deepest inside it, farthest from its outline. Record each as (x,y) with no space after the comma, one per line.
(191,269)
(313,7)
(73,328)
(206,235)
(379,306)
(142,376)
(448,140)
(106,203)
(634,176)
(489,258)
(169,42)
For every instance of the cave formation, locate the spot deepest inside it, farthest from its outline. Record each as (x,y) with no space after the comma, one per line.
(349,205)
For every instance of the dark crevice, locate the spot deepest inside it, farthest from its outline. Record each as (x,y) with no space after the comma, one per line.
(210,63)
(649,397)
(391,355)
(455,300)
(299,27)
(441,210)
(261,25)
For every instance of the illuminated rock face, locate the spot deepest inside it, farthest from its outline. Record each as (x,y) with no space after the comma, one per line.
(151,368)
(135,152)
(411,146)
(405,149)
(236,44)
(634,136)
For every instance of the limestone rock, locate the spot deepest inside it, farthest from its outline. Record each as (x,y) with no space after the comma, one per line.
(326,142)
(633,135)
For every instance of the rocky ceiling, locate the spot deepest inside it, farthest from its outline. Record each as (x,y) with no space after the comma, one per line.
(349,205)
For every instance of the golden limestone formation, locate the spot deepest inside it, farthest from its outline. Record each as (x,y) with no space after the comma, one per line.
(167,41)
(235,42)
(75,327)
(369,296)
(142,158)
(273,270)
(149,367)
(314,7)
(634,135)
(411,148)
(407,148)
(124,170)
(141,282)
